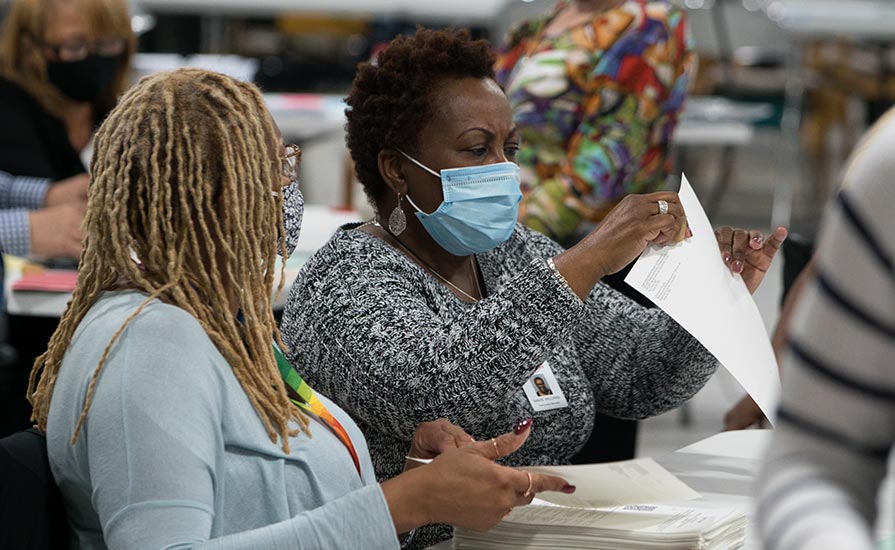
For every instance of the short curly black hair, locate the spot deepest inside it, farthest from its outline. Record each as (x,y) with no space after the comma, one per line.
(389,103)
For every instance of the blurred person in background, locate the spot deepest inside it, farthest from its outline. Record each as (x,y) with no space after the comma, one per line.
(819,488)
(40,218)
(63,63)
(596,87)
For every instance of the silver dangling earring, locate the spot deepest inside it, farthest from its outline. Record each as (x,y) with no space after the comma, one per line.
(397,221)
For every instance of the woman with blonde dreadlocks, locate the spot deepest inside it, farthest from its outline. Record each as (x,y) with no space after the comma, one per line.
(162,395)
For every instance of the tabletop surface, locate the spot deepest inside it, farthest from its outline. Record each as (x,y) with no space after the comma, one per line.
(318,226)
(464,10)
(857,19)
(722,468)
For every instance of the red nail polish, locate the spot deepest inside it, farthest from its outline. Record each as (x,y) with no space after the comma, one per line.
(689,233)
(727,258)
(522,426)
(737,266)
(568,489)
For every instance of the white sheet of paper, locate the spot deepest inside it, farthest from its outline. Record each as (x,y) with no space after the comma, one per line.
(636,481)
(691,283)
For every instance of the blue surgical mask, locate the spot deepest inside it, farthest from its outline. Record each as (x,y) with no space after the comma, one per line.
(479,210)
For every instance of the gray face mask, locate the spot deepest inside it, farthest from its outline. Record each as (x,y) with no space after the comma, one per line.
(293,210)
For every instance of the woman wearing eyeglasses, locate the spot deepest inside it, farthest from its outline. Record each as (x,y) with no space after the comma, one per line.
(62,63)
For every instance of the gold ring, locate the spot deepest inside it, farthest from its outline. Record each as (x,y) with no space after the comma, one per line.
(528,491)
(496,450)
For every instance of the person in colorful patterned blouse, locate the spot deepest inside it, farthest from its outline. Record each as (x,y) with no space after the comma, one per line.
(596,87)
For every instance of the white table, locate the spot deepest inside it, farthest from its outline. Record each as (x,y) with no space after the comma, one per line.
(863,20)
(722,468)
(455,10)
(318,226)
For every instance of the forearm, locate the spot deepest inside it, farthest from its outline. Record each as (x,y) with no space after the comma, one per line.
(15,232)
(407,500)
(29,193)
(359,519)
(639,361)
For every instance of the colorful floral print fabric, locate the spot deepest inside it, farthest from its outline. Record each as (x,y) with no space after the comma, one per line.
(596,106)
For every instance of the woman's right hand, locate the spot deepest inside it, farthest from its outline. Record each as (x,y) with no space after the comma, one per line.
(622,236)
(465,488)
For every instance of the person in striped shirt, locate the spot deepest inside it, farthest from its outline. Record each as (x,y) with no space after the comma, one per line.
(40,218)
(836,422)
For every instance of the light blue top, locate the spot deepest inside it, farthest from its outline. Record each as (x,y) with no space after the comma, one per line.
(173,455)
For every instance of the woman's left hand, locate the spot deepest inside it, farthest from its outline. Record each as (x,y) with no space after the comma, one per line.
(748,252)
(433,438)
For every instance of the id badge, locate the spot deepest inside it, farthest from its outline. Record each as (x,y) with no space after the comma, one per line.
(543,390)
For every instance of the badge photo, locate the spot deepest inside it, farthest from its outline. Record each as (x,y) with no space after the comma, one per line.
(543,391)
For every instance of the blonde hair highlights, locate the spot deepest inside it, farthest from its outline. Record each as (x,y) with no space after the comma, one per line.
(182,179)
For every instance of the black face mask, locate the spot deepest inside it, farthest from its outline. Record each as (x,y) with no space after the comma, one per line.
(89,79)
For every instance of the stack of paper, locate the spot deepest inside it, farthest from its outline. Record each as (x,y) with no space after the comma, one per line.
(606,512)
(543,525)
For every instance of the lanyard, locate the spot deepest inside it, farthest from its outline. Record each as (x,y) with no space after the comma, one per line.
(309,401)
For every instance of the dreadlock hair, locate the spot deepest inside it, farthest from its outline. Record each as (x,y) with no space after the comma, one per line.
(180,207)
(390,99)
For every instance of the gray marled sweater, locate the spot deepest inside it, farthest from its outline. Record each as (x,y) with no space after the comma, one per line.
(391,345)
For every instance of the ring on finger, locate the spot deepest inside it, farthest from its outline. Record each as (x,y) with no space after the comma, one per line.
(663,207)
(496,450)
(527,492)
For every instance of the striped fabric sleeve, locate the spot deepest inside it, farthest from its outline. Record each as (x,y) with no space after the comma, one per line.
(836,422)
(15,232)
(22,192)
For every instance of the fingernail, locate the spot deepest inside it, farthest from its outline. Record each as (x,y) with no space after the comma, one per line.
(756,239)
(689,233)
(568,489)
(737,266)
(522,426)
(727,258)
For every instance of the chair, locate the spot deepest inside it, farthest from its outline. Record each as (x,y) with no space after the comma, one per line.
(32,514)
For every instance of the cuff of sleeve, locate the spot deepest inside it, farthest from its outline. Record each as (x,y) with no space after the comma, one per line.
(557,304)
(383,526)
(15,232)
(29,193)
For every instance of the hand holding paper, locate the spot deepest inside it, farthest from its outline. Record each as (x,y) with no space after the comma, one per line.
(692,283)
(748,253)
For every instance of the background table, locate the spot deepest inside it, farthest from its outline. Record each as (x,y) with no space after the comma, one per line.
(862,21)
(319,224)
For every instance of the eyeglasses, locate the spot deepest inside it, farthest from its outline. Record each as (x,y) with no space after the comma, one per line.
(292,163)
(78,50)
